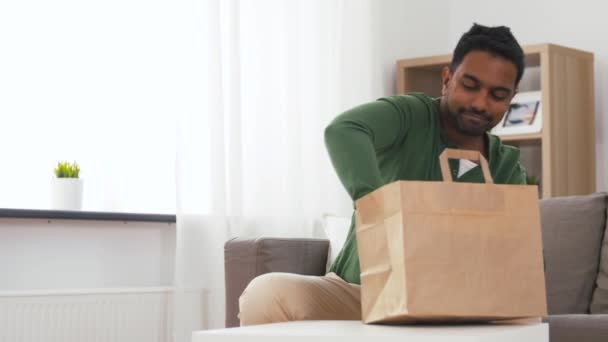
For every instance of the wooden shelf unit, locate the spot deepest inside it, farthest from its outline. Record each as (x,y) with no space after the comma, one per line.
(522,137)
(564,150)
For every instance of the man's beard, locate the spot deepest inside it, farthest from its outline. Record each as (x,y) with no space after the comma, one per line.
(472,129)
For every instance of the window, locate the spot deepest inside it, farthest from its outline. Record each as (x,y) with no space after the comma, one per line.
(99,83)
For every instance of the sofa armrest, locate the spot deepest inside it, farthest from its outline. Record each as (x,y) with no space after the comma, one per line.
(578,328)
(245,259)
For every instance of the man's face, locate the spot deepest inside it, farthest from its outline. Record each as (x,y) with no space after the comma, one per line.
(479,91)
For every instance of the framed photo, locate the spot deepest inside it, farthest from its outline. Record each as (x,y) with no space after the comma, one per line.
(525,115)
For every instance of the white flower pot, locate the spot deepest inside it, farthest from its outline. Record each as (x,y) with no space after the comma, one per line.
(67,193)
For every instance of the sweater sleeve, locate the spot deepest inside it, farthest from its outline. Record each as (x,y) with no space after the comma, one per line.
(355,138)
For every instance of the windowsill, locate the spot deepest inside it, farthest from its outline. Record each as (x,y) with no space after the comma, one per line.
(84,215)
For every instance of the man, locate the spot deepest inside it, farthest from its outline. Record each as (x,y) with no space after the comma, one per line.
(401,138)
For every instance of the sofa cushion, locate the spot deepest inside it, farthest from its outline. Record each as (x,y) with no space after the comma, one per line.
(599,303)
(336,229)
(573,228)
(578,328)
(245,259)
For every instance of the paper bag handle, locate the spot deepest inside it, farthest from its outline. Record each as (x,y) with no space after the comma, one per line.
(476,156)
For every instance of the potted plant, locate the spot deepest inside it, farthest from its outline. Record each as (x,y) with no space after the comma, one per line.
(534,180)
(67,187)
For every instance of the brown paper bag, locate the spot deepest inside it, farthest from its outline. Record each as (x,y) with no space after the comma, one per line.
(446,251)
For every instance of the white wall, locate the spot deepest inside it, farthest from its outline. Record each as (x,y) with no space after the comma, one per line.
(395,30)
(579,24)
(64,254)
(406,29)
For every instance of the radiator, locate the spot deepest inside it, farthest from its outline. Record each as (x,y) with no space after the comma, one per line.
(97,315)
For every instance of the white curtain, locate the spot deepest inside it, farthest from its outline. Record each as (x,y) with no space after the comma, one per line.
(251,159)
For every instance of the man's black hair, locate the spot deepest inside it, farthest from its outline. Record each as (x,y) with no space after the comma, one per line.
(497,41)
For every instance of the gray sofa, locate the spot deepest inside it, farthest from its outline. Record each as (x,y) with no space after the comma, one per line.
(576,263)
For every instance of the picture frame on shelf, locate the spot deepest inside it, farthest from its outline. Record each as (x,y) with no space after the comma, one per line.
(524,116)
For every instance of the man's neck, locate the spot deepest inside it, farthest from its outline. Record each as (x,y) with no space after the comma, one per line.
(463,141)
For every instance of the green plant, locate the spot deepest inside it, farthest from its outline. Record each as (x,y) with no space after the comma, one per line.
(533,180)
(67,170)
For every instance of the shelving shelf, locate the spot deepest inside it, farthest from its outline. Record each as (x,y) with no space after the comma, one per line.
(521,137)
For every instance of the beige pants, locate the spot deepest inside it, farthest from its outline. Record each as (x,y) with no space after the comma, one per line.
(281,297)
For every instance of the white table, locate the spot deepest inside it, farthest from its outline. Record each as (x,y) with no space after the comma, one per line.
(355,331)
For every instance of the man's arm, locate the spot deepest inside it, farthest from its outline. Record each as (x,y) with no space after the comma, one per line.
(354,138)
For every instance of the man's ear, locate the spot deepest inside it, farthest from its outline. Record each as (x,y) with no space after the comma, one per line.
(446,76)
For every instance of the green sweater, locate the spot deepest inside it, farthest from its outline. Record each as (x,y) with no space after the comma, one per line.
(399,138)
